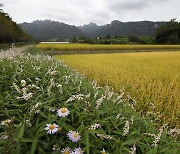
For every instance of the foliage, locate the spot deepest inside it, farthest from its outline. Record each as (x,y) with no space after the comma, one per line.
(10,32)
(33,88)
(1,5)
(149,77)
(168,33)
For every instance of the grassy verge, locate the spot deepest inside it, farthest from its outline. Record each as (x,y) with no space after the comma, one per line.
(6,46)
(36,91)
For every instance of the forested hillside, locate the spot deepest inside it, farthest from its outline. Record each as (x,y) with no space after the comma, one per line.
(10,31)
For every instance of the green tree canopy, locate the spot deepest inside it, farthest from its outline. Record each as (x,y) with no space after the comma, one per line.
(10,31)
(168,33)
(1,5)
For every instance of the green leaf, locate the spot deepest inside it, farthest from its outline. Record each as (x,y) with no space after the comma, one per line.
(34,145)
(131,141)
(87,143)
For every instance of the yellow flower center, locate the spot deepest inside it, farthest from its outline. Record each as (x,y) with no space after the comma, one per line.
(103,152)
(6,122)
(101,136)
(75,135)
(51,127)
(66,152)
(63,110)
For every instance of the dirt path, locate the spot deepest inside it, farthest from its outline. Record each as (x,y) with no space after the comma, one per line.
(12,52)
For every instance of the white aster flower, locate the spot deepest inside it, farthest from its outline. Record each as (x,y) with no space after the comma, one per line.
(65,151)
(103,151)
(51,128)
(6,122)
(63,112)
(78,151)
(74,136)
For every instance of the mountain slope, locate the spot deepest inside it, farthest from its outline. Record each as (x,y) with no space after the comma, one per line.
(47,29)
(118,28)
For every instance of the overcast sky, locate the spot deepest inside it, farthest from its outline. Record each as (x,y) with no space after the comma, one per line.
(79,12)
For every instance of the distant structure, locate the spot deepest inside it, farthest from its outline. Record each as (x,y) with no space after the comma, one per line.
(55,42)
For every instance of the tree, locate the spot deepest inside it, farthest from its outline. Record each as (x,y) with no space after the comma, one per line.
(168,33)
(1,5)
(10,31)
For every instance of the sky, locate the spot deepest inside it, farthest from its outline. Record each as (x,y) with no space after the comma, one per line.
(80,12)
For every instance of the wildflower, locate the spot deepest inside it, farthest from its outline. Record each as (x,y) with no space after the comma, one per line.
(66,150)
(174,132)
(132,120)
(133,149)
(117,117)
(51,110)
(59,129)
(74,136)
(78,151)
(51,128)
(34,108)
(16,87)
(28,123)
(63,112)
(4,137)
(23,83)
(102,136)
(126,128)
(37,111)
(56,147)
(158,136)
(6,122)
(38,79)
(99,102)
(103,152)
(94,127)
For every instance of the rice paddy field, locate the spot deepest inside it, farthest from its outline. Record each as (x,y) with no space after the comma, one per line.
(151,78)
(100,47)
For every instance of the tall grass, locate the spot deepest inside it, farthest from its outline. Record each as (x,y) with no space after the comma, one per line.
(98,47)
(33,89)
(149,77)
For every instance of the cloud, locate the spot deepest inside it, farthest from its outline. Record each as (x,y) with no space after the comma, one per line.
(80,12)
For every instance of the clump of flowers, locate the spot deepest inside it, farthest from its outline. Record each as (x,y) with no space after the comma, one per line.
(6,122)
(126,128)
(51,128)
(63,112)
(56,147)
(35,108)
(95,126)
(133,149)
(104,136)
(174,132)
(74,136)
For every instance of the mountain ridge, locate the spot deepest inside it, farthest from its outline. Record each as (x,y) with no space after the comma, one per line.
(48,30)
